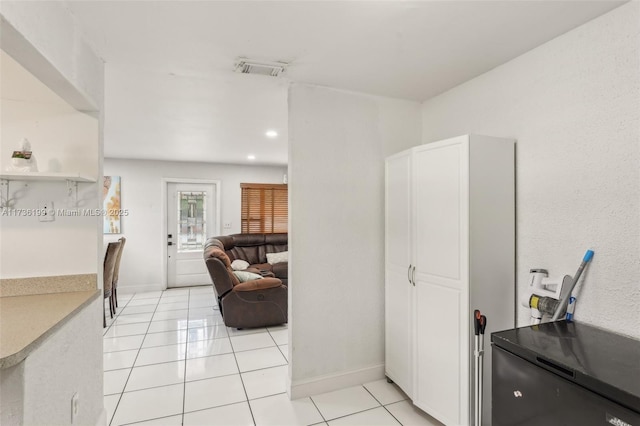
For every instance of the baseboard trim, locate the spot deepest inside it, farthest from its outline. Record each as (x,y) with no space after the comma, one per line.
(330,382)
(130,289)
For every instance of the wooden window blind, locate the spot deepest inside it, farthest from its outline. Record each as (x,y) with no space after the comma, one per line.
(264,208)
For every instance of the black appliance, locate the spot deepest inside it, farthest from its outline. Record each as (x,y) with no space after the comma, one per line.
(565,373)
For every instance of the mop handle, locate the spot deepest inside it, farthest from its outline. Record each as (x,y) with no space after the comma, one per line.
(477,317)
(483,325)
(562,306)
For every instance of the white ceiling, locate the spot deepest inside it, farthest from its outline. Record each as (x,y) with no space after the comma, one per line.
(171,92)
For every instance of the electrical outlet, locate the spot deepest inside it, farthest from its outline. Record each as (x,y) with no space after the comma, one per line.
(227,225)
(75,401)
(46,211)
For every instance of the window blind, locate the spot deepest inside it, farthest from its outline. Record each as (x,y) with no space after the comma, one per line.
(264,208)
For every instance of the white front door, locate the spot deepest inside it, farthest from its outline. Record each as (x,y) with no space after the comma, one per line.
(190,221)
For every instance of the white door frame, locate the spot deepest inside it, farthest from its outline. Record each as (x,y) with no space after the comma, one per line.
(163,206)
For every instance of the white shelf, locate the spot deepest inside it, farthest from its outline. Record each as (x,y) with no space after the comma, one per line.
(45,176)
(71,178)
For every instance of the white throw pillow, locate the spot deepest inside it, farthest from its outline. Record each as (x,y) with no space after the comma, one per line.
(244,276)
(274,258)
(239,265)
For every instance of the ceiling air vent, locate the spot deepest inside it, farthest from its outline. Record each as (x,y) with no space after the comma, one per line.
(271,69)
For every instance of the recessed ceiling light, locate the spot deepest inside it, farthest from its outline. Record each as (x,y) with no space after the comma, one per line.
(271,134)
(251,157)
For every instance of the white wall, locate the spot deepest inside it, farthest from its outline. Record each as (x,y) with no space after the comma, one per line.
(338,142)
(65,364)
(62,139)
(12,391)
(142,192)
(38,390)
(44,37)
(573,106)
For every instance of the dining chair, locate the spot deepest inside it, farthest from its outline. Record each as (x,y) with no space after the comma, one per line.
(110,258)
(116,270)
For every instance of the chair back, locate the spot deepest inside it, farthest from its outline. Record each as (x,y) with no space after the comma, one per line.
(252,247)
(109,265)
(116,268)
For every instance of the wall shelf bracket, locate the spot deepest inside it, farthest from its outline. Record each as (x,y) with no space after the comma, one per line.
(72,193)
(4,193)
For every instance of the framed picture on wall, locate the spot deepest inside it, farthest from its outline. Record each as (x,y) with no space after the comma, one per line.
(111,205)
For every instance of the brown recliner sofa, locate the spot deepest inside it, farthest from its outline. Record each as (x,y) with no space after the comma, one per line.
(257,303)
(253,248)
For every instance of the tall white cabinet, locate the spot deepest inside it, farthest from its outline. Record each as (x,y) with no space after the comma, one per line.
(450,249)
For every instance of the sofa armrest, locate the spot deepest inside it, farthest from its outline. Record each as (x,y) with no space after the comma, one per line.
(259,284)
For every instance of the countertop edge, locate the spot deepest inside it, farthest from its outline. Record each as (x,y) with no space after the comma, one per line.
(14,359)
(31,286)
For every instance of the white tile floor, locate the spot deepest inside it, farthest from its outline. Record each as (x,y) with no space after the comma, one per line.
(170,360)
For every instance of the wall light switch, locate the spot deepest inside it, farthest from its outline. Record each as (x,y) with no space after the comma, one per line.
(45,212)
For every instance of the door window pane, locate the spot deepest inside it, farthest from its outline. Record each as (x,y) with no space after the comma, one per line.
(192,226)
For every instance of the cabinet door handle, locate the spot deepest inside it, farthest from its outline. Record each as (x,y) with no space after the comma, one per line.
(409,274)
(413,276)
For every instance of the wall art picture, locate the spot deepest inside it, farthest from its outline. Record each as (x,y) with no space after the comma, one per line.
(111,205)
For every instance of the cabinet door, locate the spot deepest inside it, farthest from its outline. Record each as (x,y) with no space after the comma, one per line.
(398,289)
(440,233)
